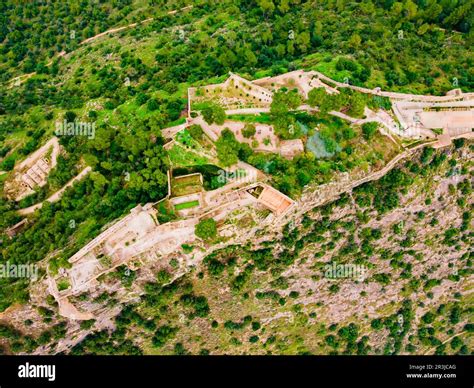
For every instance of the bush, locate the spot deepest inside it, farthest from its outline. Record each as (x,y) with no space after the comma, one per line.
(249,130)
(152,104)
(163,277)
(214,113)
(369,130)
(85,325)
(8,163)
(162,335)
(455,315)
(469,327)
(196,131)
(253,339)
(456,342)
(429,317)
(256,326)
(376,324)
(206,229)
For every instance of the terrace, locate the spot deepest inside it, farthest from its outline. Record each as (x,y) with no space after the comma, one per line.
(186,184)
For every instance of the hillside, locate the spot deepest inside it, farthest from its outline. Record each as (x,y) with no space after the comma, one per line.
(179,174)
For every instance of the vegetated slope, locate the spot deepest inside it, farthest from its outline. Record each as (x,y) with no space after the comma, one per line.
(249,34)
(275,295)
(160,59)
(33,33)
(412,230)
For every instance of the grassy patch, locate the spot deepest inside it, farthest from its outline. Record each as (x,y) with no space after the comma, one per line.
(186,205)
(180,157)
(262,118)
(186,185)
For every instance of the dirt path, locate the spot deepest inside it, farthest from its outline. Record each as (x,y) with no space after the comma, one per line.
(17,81)
(114,30)
(430,350)
(57,195)
(254,111)
(131,25)
(53,142)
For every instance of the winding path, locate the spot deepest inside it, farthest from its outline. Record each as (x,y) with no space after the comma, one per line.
(17,81)
(57,195)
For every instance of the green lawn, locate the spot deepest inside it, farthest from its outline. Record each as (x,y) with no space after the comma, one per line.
(186,205)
